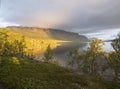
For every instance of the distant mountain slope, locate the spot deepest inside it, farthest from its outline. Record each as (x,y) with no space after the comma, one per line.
(44,33)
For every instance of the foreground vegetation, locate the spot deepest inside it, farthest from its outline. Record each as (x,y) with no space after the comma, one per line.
(17,73)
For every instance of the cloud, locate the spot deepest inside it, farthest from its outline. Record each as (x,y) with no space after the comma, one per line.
(63,14)
(111,34)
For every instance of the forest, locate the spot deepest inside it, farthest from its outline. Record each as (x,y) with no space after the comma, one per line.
(12,43)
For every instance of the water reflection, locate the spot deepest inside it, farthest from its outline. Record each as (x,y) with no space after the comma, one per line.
(108,47)
(61,52)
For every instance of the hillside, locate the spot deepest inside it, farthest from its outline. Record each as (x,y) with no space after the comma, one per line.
(48,34)
(18,73)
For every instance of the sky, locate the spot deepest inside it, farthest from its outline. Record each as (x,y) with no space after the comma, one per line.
(83,16)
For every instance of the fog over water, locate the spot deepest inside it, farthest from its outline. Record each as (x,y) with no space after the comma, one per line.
(105,35)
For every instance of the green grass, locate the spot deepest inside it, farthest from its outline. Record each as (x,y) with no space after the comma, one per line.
(16,73)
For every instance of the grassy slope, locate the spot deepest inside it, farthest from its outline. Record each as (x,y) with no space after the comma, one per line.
(16,73)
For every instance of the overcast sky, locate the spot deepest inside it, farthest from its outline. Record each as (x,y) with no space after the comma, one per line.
(80,15)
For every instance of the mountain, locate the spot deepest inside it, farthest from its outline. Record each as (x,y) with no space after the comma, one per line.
(48,34)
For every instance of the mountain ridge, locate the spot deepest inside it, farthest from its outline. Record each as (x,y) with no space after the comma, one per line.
(48,33)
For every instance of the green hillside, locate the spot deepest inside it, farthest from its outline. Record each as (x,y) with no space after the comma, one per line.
(17,73)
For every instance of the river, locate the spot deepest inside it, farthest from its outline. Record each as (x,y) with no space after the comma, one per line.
(60,53)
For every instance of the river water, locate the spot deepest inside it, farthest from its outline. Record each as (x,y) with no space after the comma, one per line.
(61,52)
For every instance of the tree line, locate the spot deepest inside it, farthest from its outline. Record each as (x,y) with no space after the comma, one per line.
(12,44)
(95,61)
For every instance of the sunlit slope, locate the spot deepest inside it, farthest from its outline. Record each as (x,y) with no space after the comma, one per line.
(48,34)
(11,42)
